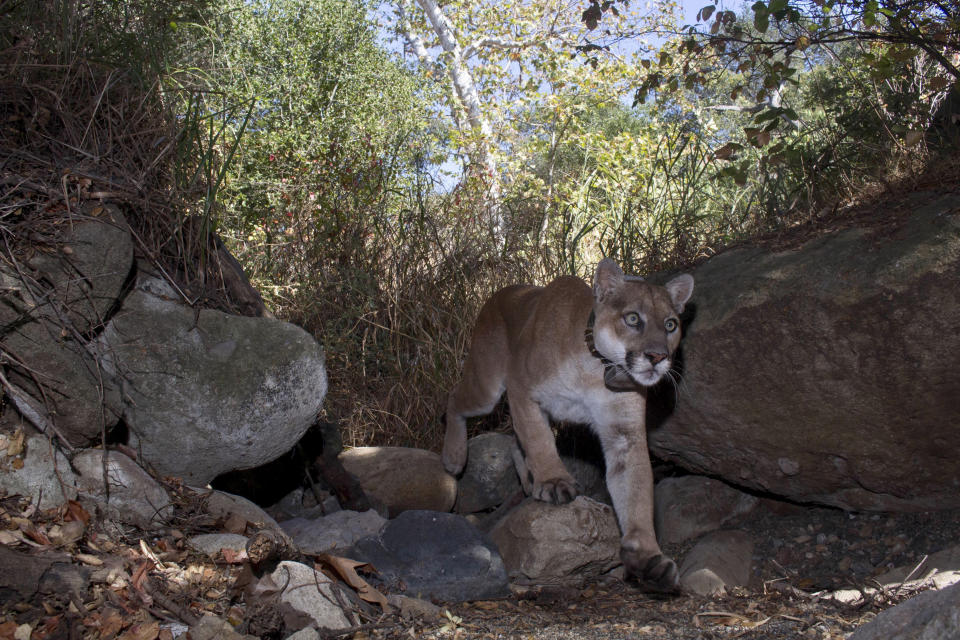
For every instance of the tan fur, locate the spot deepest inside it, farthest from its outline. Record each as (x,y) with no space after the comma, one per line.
(529,342)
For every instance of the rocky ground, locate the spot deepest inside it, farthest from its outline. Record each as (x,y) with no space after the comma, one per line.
(111,581)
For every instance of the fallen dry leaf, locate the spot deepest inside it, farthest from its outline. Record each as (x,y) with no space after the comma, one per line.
(7,629)
(144,631)
(347,570)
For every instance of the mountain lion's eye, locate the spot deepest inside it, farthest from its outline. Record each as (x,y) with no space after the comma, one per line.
(670,325)
(633,319)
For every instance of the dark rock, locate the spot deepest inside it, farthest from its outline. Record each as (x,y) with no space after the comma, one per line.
(436,555)
(22,576)
(932,615)
(809,373)
(489,477)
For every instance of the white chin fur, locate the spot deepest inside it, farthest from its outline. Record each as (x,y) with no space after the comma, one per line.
(651,375)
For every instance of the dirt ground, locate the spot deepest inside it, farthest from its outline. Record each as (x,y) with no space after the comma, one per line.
(151,583)
(800,554)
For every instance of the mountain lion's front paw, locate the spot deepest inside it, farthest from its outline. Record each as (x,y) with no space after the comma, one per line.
(556,491)
(657,574)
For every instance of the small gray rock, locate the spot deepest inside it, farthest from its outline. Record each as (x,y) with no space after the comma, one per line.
(306,592)
(39,478)
(134,496)
(334,533)
(437,555)
(544,543)
(722,559)
(213,543)
(489,477)
(689,506)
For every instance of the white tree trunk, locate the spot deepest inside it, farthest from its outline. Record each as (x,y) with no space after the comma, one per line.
(482,156)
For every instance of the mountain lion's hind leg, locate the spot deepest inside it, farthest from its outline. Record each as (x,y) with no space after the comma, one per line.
(482,385)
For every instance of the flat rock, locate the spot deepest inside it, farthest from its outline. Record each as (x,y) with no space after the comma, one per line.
(932,615)
(489,477)
(807,371)
(436,555)
(134,497)
(44,466)
(334,533)
(306,594)
(23,575)
(402,478)
(209,392)
(722,559)
(545,544)
(688,506)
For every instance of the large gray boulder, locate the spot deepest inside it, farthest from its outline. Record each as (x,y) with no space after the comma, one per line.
(207,392)
(827,373)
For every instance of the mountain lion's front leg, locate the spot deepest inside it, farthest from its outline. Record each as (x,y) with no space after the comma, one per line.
(630,484)
(551,480)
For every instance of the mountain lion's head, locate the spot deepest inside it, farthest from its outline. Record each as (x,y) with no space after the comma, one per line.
(636,327)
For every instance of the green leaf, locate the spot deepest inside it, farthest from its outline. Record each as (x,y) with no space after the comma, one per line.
(761,20)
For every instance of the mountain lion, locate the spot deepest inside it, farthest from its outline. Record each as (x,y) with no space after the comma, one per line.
(564,352)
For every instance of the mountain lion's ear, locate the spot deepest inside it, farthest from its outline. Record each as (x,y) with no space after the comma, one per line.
(608,279)
(680,290)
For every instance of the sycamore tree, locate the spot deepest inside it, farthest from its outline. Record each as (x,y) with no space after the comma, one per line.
(512,68)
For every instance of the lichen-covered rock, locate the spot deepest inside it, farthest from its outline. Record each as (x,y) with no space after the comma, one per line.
(208,392)
(822,373)
(543,543)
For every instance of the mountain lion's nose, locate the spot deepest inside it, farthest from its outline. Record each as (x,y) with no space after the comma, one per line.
(655,357)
